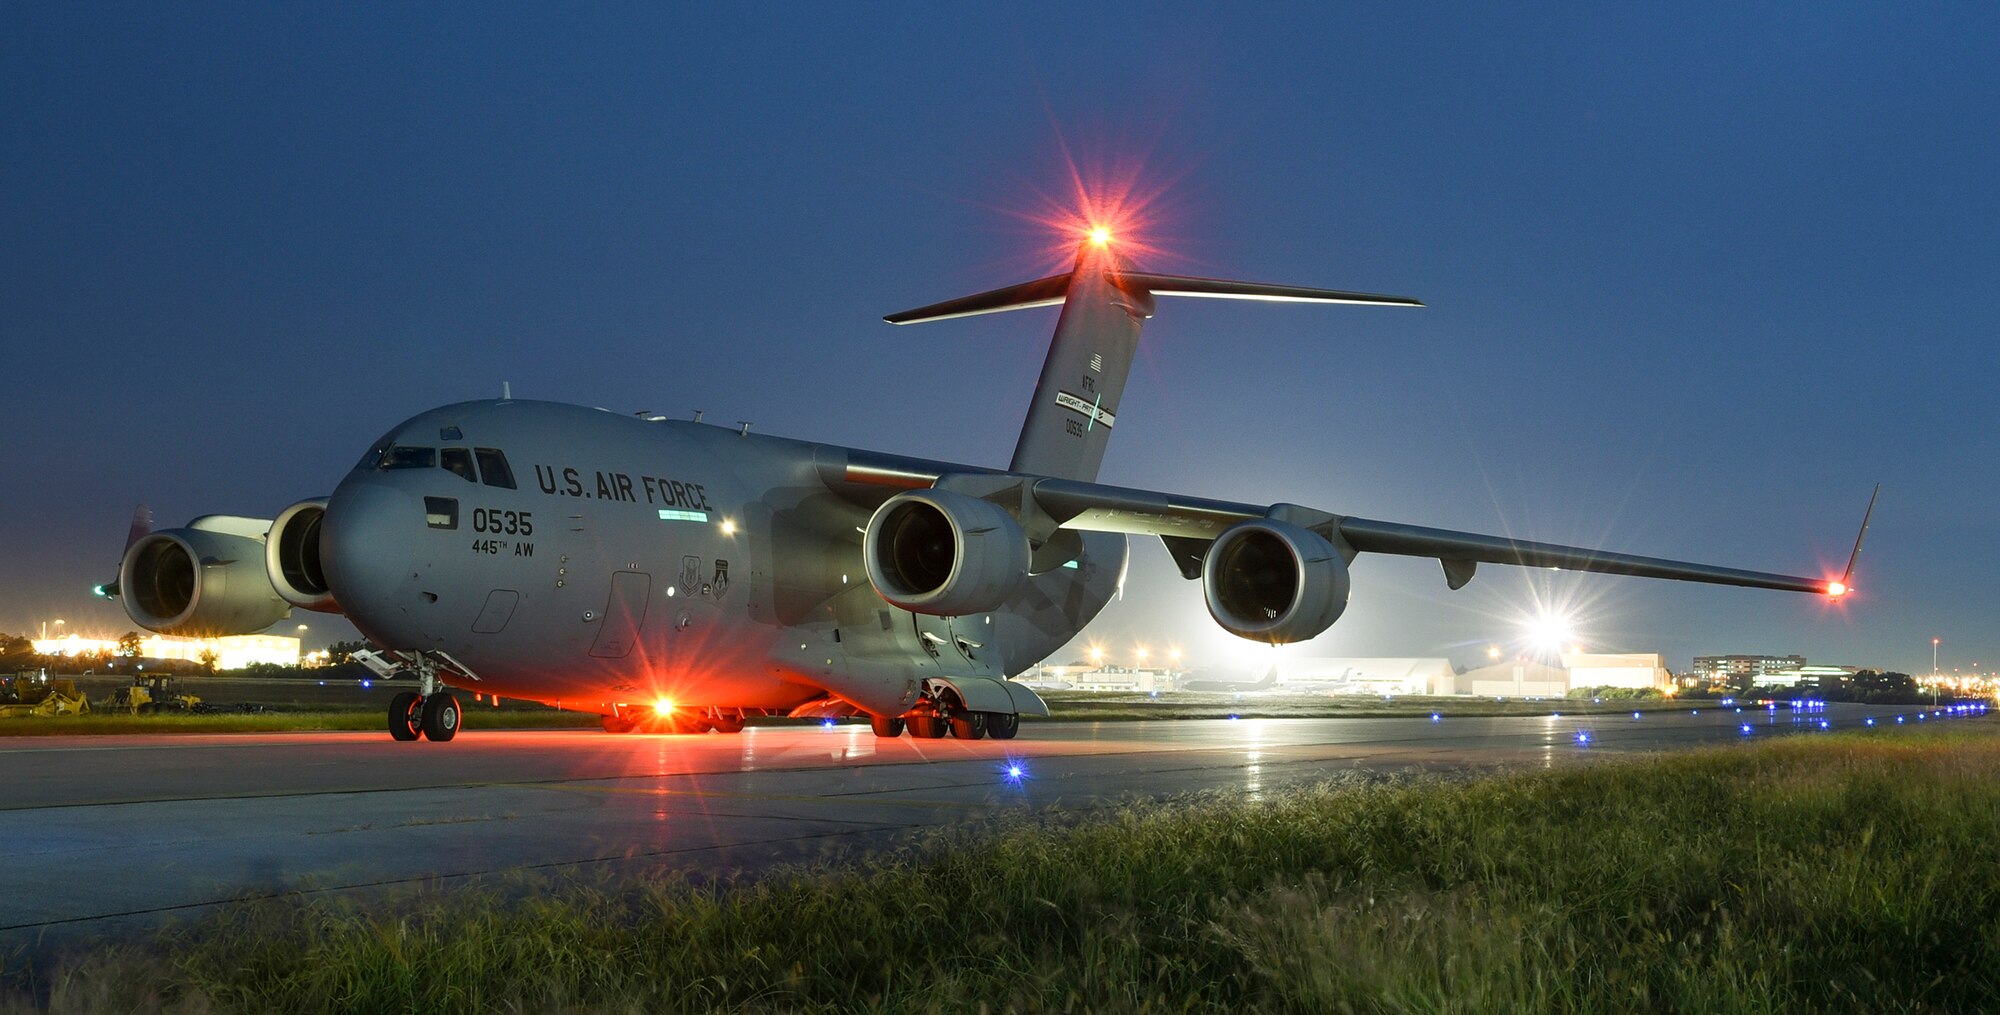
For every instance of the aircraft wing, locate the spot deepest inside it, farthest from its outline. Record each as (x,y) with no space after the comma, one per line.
(1188,524)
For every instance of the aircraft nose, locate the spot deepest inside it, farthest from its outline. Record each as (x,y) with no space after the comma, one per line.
(367,545)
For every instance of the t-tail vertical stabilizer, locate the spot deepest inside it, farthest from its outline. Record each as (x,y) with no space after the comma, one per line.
(1104,306)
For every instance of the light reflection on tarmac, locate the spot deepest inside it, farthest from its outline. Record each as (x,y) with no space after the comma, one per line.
(103,834)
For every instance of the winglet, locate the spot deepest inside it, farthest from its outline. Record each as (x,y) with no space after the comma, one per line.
(1847,576)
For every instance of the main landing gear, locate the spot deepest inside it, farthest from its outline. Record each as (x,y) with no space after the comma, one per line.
(932,721)
(678,721)
(434,716)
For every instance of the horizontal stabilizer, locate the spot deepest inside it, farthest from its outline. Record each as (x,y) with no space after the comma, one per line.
(1047,292)
(1042,292)
(1224,289)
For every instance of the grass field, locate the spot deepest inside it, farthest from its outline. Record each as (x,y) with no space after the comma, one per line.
(1857,872)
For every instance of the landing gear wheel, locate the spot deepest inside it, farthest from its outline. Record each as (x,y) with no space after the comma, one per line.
(726,724)
(405,715)
(441,717)
(1002,725)
(886,726)
(928,727)
(968,725)
(618,724)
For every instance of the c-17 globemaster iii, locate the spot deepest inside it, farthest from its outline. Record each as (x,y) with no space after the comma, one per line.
(677,576)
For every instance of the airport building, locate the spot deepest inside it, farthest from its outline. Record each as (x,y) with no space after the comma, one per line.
(1624,669)
(1518,678)
(1365,675)
(1731,669)
(1555,678)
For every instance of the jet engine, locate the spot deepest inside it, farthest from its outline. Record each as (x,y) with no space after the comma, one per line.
(291,557)
(944,553)
(206,580)
(1271,581)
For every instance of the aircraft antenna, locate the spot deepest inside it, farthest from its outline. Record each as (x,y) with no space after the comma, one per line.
(506,391)
(697,415)
(745,424)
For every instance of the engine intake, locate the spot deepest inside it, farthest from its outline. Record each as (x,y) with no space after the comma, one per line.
(944,553)
(1275,582)
(291,557)
(206,580)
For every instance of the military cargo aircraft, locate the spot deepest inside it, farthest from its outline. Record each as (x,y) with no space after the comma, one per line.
(680,577)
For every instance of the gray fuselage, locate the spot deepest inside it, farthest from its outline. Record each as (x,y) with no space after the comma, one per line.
(636,561)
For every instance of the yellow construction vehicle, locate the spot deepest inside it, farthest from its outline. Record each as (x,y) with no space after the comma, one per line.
(153,693)
(27,695)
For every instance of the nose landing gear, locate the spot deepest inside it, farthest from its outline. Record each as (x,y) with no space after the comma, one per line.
(433,716)
(430,711)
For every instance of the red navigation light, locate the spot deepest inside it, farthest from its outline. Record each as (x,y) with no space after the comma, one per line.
(1836,589)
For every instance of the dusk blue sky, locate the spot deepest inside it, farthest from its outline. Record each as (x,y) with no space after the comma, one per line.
(1698,277)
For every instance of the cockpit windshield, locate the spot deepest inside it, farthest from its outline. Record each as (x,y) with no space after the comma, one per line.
(402,457)
(458,462)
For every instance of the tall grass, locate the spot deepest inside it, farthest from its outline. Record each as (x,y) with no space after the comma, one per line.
(1845,873)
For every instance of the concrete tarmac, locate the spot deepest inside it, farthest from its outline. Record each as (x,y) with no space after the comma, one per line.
(107,834)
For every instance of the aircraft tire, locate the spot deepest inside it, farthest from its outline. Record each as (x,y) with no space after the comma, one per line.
(405,715)
(617,724)
(726,724)
(1002,725)
(968,725)
(886,726)
(441,717)
(928,727)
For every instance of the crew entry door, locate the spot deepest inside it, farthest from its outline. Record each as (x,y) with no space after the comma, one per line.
(624,614)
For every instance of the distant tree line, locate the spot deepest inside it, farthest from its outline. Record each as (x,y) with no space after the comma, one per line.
(18,655)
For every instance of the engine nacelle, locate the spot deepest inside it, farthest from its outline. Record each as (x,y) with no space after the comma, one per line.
(291,557)
(1271,581)
(944,553)
(206,580)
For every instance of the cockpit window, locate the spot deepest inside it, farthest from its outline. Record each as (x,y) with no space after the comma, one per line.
(441,512)
(458,462)
(401,457)
(493,465)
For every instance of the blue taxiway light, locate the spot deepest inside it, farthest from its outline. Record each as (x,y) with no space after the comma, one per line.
(367,683)
(1233,715)
(1583,736)
(1870,721)
(1436,717)
(1823,724)
(1635,715)
(1899,718)
(1745,727)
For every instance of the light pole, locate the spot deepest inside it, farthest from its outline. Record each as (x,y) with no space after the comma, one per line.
(1934,670)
